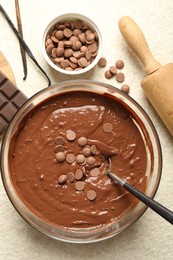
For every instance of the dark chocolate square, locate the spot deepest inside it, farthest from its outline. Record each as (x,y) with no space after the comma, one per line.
(19,99)
(3,125)
(2,100)
(8,89)
(8,111)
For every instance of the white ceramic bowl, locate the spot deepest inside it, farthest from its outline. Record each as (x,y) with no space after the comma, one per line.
(70,17)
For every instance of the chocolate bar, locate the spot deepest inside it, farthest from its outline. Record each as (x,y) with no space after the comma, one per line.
(11,99)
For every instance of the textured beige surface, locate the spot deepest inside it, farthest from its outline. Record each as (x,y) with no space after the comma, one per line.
(151,237)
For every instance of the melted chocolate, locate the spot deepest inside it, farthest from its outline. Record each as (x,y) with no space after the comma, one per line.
(35,170)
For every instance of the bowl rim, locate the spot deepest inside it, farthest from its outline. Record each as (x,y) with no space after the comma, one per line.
(70,16)
(53,87)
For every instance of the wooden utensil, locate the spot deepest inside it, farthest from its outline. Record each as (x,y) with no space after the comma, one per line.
(158,85)
(5,68)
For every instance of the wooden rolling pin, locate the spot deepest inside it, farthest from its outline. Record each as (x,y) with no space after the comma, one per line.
(158,85)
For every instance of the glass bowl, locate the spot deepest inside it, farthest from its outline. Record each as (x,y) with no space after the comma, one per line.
(153,169)
(71,17)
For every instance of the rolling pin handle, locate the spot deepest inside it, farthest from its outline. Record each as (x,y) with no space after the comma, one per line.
(136,40)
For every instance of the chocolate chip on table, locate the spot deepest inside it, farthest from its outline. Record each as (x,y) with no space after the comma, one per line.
(70,135)
(91,160)
(102,62)
(94,172)
(108,74)
(119,64)
(91,195)
(70,177)
(60,157)
(82,141)
(120,77)
(62,179)
(113,70)
(78,174)
(70,158)
(80,185)
(125,88)
(80,158)
(59,140)
(59,148)
(107,127)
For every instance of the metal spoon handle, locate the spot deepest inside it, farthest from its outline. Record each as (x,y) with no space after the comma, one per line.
(154,205)
(157,207)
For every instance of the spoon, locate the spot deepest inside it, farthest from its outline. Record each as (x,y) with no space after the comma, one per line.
(157,207)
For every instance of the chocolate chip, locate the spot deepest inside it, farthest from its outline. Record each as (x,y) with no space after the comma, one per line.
(94,172)
(86,151)
(78,24)
(59,140)
(80,185)
(102,62)
(119,64)
(67,32)
(82,62)
(84,170)
(108,74)
(113,70)
(125,88)
(82,141)
(91,195)
(62,179)
(120,77)
(94,149)
(70,135)
(70,176)
(78,174)
(60,157)
(107,128)
(59,148)
(91,160)
(70,158)
(80,158)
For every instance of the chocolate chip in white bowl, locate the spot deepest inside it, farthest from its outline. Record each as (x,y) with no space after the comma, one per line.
(76,36)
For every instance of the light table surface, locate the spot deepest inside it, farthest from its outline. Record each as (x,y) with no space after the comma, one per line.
(151,237)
